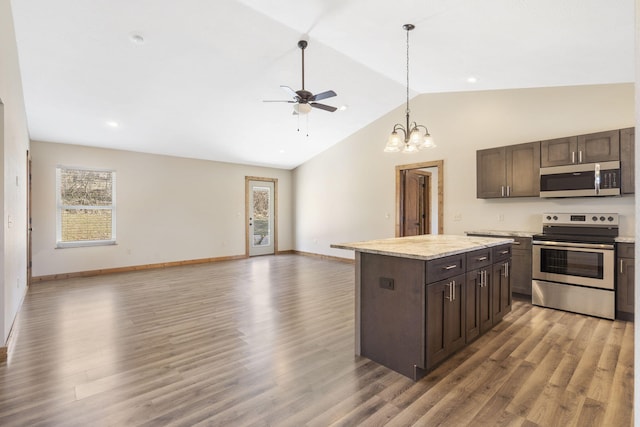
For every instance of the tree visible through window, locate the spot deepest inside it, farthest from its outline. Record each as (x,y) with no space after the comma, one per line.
(86,206)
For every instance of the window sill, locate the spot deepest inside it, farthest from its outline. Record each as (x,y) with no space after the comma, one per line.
(88,243)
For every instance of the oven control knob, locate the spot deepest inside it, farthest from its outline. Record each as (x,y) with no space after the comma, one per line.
(548,217)
(601,218)
(610,219)
(555,217)
(595,218)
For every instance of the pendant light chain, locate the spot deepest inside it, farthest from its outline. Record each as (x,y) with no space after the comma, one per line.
(408,111)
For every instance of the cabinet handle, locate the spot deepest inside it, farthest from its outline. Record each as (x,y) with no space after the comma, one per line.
(573,157)
(580,156)
(621,266)
(508,190)
(506,269)
(515,243)
(449,267)
(453,287)
(481,258)
(504,252)
(450,294)
(502,191)
(483,281)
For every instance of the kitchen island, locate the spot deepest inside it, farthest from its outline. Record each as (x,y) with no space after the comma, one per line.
(420,299)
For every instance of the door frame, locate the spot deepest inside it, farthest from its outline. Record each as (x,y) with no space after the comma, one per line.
(247,211)
(439,164)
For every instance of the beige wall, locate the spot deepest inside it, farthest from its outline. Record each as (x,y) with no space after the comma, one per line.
(347,193)
(168,209)
(14,141)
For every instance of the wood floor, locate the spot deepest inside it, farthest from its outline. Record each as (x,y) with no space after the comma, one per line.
(268,341)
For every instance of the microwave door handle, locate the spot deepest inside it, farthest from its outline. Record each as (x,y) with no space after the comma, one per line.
(597,178)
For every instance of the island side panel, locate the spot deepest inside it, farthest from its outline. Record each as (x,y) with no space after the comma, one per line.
(392,327)
(357,302)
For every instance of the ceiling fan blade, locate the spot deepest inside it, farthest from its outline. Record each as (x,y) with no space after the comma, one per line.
(323,95)
(279,100)
(290,91)
(323,106)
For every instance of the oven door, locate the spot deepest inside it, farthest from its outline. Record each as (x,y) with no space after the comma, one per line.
(580,264)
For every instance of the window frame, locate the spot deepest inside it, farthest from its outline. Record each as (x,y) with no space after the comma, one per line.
(60,208)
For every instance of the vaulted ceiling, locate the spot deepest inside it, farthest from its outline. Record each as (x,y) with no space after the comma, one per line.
(188,78)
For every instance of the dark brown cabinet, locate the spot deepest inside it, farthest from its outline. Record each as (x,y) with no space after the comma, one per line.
(627,160)
(511,171)
(520,270)
(625,282)
(445,319)
(590,148)
(500,291)
(413,314)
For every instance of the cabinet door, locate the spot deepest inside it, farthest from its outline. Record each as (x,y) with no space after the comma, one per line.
(627,159)
(624,291)
(599,147)
(559,151)
(523,170)
(455,326)
(521,266)
(485,302)
(445,319)
(438,295)
(500,290)
(472,290)
(491,173)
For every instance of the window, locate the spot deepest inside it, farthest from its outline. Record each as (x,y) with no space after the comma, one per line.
(86,207)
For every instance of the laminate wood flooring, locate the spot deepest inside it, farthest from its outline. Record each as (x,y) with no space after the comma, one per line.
(269,341)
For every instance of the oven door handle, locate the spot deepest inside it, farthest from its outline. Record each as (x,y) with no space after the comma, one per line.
(573,245)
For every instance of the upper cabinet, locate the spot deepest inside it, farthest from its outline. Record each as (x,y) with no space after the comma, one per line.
(511,171)
(591,148)
(627,159)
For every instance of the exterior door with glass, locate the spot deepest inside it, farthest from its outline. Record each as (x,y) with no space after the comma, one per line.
(261,212)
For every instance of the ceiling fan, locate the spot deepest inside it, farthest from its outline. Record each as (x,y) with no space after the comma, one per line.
(303,99)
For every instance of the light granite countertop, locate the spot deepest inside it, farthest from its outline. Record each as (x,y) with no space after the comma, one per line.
(425,247)
(625,239)
(503,233)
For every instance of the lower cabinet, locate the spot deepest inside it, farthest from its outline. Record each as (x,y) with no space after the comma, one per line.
(445,319)
(625,283)
(500,290)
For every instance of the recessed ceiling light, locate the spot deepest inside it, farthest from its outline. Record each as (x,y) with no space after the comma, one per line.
(112,124)
(471,79)
(136,38)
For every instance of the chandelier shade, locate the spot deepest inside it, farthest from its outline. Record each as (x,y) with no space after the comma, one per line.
(414,137)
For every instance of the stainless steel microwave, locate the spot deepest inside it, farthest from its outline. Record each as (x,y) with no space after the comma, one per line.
(586,179)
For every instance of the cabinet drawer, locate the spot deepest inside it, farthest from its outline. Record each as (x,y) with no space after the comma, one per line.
(626,250)
(521,244)
(443,268)
(501,252)
(478,259)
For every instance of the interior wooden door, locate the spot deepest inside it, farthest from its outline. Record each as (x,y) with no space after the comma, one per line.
(415,203)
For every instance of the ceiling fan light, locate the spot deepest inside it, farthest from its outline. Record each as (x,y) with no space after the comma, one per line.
(302,108)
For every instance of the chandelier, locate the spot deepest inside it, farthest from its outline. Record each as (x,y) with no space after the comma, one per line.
(414,136)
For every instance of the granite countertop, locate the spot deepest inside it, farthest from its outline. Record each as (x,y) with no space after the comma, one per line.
(625,239)
(503,233)
(424,247)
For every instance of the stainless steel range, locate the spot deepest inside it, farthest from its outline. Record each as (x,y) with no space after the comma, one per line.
(574,263)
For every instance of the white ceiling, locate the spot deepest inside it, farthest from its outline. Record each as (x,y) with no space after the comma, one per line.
(195,87)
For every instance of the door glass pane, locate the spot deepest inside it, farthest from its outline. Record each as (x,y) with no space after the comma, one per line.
(261,231)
